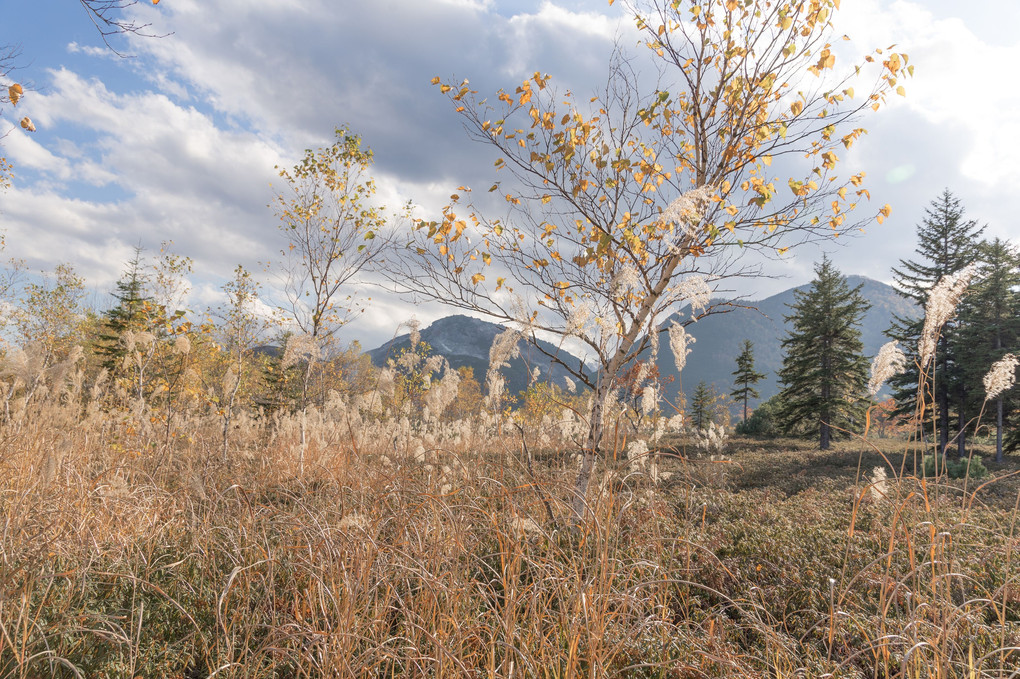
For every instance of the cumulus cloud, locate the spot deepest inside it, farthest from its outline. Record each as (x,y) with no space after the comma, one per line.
(180,143)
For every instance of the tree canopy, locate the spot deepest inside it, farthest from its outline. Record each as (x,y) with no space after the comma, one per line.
(824,373)
(626,205)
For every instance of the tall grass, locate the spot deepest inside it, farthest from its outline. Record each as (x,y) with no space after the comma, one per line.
(444,549)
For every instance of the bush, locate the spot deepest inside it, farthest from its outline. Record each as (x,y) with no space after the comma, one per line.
(956,469)
(763,422)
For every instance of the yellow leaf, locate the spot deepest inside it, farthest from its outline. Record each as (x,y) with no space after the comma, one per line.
(901,91)
(14,92)
(796,107)
(27,124)
(477,278)
(435,80)
(782,251)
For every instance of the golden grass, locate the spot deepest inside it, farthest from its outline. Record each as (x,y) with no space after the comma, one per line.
(124,554)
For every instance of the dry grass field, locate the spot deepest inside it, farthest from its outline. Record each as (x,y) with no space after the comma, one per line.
(127,554)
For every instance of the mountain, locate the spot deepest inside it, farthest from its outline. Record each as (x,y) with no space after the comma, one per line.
(720,336)
(465,341)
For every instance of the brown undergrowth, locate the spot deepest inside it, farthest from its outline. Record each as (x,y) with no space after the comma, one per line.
(123,555)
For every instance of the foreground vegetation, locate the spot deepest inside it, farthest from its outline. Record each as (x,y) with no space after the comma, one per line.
(122,555)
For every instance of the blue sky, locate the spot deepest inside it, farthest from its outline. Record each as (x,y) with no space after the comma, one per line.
(179,141)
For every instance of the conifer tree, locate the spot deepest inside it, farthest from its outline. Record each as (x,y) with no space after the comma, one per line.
(990,327)
(824,374)
(946,244)
(702,405)
(745,376)
(129,313)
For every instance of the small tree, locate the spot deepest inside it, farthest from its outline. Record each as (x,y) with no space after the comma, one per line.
(47,322)
(242,327)
(824,373)
(631,205)
(703,406)
(745,377)
(333,233)
(129,313)
(468,402)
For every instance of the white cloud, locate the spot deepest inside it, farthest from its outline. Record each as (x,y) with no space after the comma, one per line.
(961,81)
(185,150)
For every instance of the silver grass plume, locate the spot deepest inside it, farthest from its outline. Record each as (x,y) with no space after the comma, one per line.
(889,361)
(1001,377)
(942,302)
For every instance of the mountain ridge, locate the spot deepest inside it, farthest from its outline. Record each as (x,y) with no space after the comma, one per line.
(465,341)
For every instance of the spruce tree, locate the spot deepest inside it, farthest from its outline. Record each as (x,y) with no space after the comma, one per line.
(946,244)
(129,313)
(702,405)
(745,376)
(990,328)
(824,375)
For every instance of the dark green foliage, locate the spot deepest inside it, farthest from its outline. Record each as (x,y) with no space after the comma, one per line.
(763,422)
(130,313)
(990,328)
(745,377)
(824,373)
(946,244)
(955,469)
(703,405)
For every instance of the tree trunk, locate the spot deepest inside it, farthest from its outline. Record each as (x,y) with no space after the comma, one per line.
(593,442)
(961,424)
(942,401)
(998,429)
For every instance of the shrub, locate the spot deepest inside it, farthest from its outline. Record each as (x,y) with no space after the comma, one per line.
(955,469)
(763,421)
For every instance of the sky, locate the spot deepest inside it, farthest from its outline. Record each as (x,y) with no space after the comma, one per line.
(178,140)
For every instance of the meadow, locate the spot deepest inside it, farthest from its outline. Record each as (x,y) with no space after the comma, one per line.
(447,550)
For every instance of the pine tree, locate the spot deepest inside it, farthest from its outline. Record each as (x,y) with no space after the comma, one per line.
(946,244)
(703,405)
(990,327)
(824,374)
(745,376)
(129,313)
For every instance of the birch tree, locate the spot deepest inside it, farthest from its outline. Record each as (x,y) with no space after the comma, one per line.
(626,207)
(333,232)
